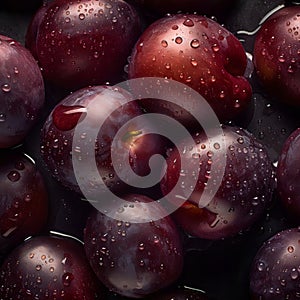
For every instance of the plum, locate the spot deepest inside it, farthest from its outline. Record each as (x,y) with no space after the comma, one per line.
(134,258)
(82,43)
(22,94)
(200,53)
(276,55)
(246,186)
(275,269)
(23,199)
(49,267)
(288,174)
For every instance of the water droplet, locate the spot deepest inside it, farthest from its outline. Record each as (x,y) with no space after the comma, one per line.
(217,146)
(294,274)
(261,266)
(188,23)
(16,71)
(39,280)
(290,249)
(51,269)
(215,48)
(156,239)
(141,246)
(67,279)
(13,176)
(164,43)
(81,16)
(2,117)
(195,43)
(194,62)
(178,40)
(168,66)
(240,140)
(281,58)
(67,20)
(6,88)
(38,267)
(175,27)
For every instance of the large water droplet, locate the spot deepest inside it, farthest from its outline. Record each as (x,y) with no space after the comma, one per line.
(188,23)
(261,266)
(164,43)
(178,40)
(13,176)
(67,279)
(2,117)
(81,16)
(195,43)
(6,88)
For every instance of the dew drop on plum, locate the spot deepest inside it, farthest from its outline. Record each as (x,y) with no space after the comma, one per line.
(134,259)
(246,188)
(41,268)
(275,268)
(23,200)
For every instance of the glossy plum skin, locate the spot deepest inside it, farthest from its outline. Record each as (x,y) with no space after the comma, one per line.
(245,191)
(21,92)
(48,267)
(134,259)
(275,269)
(133,145)
(58,131)
(33,28)
(198,52)
(288,175)
(208,7)
(276,55)
(23,200)
(82,43)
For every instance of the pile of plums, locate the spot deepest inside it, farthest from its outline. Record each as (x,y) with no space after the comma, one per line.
(148,150)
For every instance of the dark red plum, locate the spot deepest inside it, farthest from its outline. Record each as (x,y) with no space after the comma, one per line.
(200,53)
(245,189)
(21,92)
(82,43)
(277,55)
(48,267)
(133,144)
(133,258)
(275,269)
(288,175)
(23,199)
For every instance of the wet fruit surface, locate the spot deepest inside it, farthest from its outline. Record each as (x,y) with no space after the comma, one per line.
(134,259)
(58,132)
(220,268)
(198,52)
(245,191)
(276,55)
(48,267)
(288,173)
(77,41)
(21,92)
(23,200)
(275,270)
